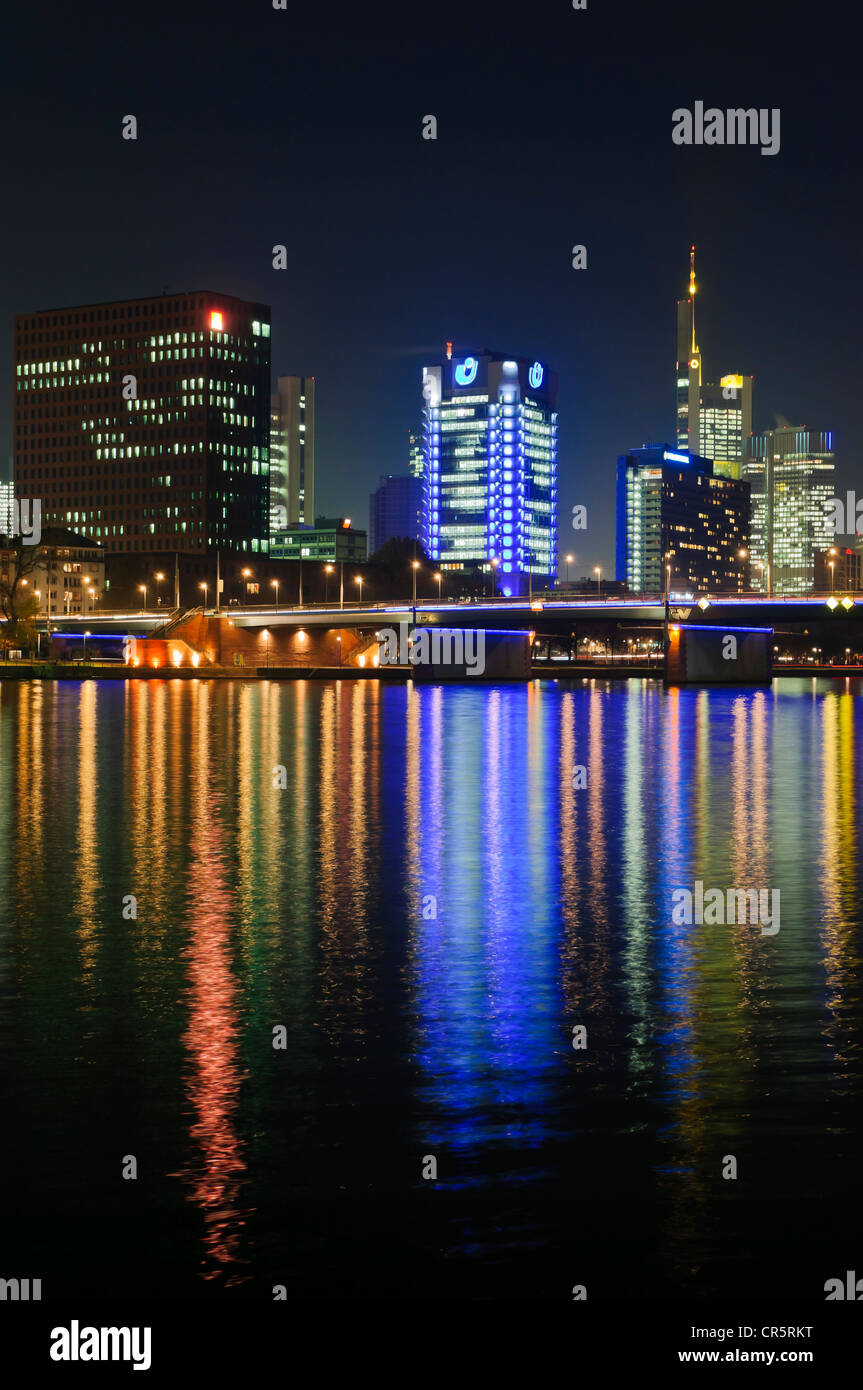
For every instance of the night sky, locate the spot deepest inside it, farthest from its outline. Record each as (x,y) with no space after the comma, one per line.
(303,127)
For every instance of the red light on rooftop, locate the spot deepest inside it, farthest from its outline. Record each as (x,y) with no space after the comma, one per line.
(216,321)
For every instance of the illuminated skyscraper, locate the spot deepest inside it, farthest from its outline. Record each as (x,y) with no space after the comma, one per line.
(791,473)
(144,423)
(415,455)
(292,453)
(688,386)
(490,467)
(713,421)
(679,527)
(725,423)
(8,517)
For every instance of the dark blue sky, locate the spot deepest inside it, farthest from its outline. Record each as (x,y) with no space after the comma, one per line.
(303,127)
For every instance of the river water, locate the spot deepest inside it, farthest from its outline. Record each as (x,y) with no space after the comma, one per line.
(423,896)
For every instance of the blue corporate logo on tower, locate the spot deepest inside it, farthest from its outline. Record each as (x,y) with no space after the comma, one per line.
(465,372)
(490,447)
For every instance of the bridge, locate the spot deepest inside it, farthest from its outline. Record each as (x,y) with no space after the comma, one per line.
(552,616)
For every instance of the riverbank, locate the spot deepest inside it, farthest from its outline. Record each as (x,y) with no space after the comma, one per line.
(557,670)
(117,671)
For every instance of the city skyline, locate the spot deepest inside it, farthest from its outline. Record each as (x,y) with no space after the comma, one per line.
(349,308)
(430,731)
(726,407)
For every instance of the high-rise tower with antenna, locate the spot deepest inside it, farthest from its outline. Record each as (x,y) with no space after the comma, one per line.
(688,385)
(712,420)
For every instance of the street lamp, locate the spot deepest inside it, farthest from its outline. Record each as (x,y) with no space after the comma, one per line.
(569,560)
(142,589)
(274,584)
(159,578)
(203,586)
(494,564)
(415,564)
(266,636)
(38,593)
(358,579)
(84,657)
(667,557)
(832,551)
(439,578)
(597,569)
(246,575)
(328,569)
(341,584)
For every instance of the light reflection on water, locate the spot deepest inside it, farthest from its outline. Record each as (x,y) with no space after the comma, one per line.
(427,909)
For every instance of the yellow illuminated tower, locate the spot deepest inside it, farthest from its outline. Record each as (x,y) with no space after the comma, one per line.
(688,383)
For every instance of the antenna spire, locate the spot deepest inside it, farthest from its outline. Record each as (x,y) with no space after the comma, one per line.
(692,291)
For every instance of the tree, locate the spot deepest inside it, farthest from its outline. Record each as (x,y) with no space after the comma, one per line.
(399,550)
(18,602)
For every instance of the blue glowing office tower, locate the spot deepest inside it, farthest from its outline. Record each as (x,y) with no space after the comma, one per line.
(490,467)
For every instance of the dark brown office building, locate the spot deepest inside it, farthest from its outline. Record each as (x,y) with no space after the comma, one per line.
(145,423)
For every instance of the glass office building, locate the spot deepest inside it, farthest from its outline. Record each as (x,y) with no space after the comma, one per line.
(792,477)
(680,528)
(292,453)
(725,423)
(490,447)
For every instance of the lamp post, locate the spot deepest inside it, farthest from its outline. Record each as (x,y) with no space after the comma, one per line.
(328,569)
(85,581)
(494,564)
(84,657)
(569,560)
(439,578)
(415,564)
(341,587)
(203,586)
(832,563)
(266,636)
(246,575)
(159,578)
(142,589)
(667,558)
(359,580)
(274,584)
(597,569)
